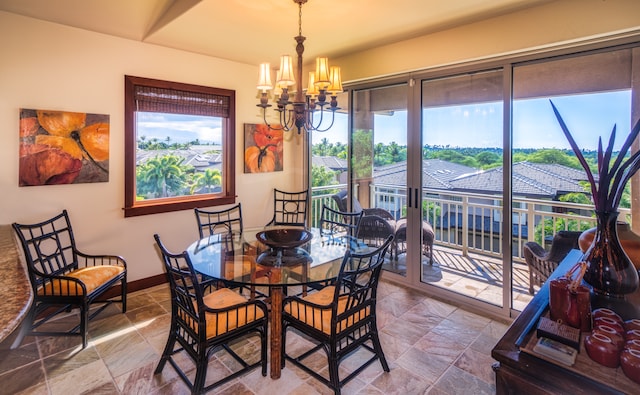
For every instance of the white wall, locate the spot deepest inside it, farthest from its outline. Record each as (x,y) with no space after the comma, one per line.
(49,66)
(553,24)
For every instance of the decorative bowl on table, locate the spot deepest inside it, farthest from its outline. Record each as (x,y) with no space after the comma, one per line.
(284,238)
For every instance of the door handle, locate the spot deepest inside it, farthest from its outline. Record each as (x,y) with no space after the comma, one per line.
(409,196)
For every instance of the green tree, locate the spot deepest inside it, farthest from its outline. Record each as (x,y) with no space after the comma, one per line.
(554,156)
(322,176)
(162,175)
(362,161)
(207,179)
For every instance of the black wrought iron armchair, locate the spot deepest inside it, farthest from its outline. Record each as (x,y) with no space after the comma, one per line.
(340,199)
(336,225)
(221,221)
(63,278)
(542,263)
(289,208)
(204,323)
(340,318)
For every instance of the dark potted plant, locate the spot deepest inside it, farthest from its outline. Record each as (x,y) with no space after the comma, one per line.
(610,271)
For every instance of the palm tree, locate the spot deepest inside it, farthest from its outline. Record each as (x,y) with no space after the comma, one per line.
(208,179)
(163,174)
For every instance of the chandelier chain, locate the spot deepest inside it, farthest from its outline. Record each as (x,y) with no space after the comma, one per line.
(300,19)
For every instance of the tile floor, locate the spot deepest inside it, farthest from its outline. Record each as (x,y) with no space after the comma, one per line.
(432,348)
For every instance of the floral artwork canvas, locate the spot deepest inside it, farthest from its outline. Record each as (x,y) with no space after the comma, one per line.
(263,148)
(62,147)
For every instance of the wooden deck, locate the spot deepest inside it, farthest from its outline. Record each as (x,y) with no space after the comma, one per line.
(477,276)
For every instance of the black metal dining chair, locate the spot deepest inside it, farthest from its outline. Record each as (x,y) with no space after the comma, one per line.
(212,222)
(336,225)
(203,323)
(63,278)
(289,208)
(340,318)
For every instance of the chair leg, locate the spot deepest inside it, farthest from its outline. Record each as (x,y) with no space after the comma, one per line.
(84,323)
(333,370)
(168,350)
(124,294)
(201,372)
(530,281)
(378,349)
(263,348)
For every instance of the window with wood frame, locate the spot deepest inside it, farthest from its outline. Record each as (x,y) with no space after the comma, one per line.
(179,146)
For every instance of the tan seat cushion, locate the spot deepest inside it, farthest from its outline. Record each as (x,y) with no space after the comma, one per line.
(321,318)
(219,323)
(92,277)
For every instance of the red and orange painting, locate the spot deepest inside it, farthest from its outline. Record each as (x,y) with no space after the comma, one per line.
(262,148)
(61,147)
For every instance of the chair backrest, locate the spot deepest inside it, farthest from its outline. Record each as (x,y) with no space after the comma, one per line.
(335,223)
(374,230)
(227,221)
(289,208)
(186,293)
(357,283)
(340,199)
(49,247)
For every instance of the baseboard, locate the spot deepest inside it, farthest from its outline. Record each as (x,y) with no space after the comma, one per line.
(137,285)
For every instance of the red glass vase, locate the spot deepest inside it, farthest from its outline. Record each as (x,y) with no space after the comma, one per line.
(610,271)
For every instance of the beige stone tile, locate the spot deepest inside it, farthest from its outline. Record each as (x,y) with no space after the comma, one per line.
(449,349)
(436,308)
(407,331)
(478,364)
(471,320)
(23,355)
(27,378)
(65,362)
(136,381)
(400,381)
(461,332)
(81,380)
(456,381)
(428,366)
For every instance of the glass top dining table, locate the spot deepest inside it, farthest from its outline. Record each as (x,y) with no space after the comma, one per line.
(236,259)
(244,260)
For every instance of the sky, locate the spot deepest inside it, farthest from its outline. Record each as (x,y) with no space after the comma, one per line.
(588,117)
(477,125)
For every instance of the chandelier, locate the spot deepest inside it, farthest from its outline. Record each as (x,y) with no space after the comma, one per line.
(307,109)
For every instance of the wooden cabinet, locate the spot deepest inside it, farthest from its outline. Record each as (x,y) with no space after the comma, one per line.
(518,372)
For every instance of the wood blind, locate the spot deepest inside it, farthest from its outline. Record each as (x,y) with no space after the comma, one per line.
(167,100)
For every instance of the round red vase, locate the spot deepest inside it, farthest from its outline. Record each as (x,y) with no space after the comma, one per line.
(633,344)
(616,337)
(630,363)
(632,324)
(602,350)
(604,312)
(633,334)
(610,322)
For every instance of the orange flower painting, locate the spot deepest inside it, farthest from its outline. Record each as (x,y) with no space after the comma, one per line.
(60,147)
(262,148)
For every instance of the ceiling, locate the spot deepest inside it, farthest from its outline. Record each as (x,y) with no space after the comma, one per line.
(255,31)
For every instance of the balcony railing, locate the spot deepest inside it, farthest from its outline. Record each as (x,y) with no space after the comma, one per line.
(473,222)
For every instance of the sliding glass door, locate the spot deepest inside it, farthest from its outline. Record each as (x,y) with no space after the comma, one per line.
(471,165)
(379,164)
(462,184)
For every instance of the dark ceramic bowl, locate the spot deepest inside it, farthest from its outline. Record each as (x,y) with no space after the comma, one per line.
(610,322)
(284,238)
(604,312)
(616,337)
(630,362)
(601,349)
(632,324)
